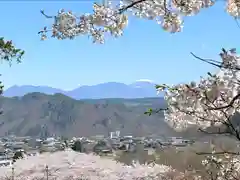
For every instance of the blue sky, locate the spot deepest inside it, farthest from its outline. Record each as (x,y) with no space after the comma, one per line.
(144,52)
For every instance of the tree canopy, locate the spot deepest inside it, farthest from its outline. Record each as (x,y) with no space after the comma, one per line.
(8,53)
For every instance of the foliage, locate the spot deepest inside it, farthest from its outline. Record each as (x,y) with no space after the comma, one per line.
(17,155)
(66,143)
(113,18)
(8,53)
(77,146)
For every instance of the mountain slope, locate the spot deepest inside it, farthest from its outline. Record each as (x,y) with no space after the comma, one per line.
(37,114)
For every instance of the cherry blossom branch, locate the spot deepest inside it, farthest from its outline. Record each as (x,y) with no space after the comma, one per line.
(230,128)
(121,10)
(229,105)
(219,64)
(214,62)
(209,61)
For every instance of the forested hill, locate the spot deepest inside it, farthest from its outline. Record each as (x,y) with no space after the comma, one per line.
(36,114)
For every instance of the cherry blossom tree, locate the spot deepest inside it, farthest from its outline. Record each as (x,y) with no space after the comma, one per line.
(210,104)
(213,101)
(71,165)
(113,17)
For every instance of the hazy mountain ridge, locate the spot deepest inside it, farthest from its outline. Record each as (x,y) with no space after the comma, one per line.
(138,89)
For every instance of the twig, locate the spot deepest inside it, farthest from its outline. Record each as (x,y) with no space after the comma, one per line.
(209,61)
(47,16)
(214,62)
(227,106)
(121,10)
(235,19)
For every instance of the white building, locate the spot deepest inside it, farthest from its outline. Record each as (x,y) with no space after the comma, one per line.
(115,134)
(5,163)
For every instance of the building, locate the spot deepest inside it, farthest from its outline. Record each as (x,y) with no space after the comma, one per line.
(115,134)
(5,162)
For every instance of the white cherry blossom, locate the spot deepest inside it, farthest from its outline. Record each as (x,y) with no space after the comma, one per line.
(113,17)
(199,103)
(70,165)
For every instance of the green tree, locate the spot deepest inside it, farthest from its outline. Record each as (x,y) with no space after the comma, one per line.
(8,53)
(77,146)
(66,143)
(17,155)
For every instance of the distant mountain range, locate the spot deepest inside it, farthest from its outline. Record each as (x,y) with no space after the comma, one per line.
(139,89)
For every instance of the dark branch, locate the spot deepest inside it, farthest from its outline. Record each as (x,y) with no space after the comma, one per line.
(209,61)
(227,106)
(130,6)
(121,10)
(47,16)
(217,153)
(214,62)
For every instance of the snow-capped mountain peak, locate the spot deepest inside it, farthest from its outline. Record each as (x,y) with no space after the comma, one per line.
(145,81)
